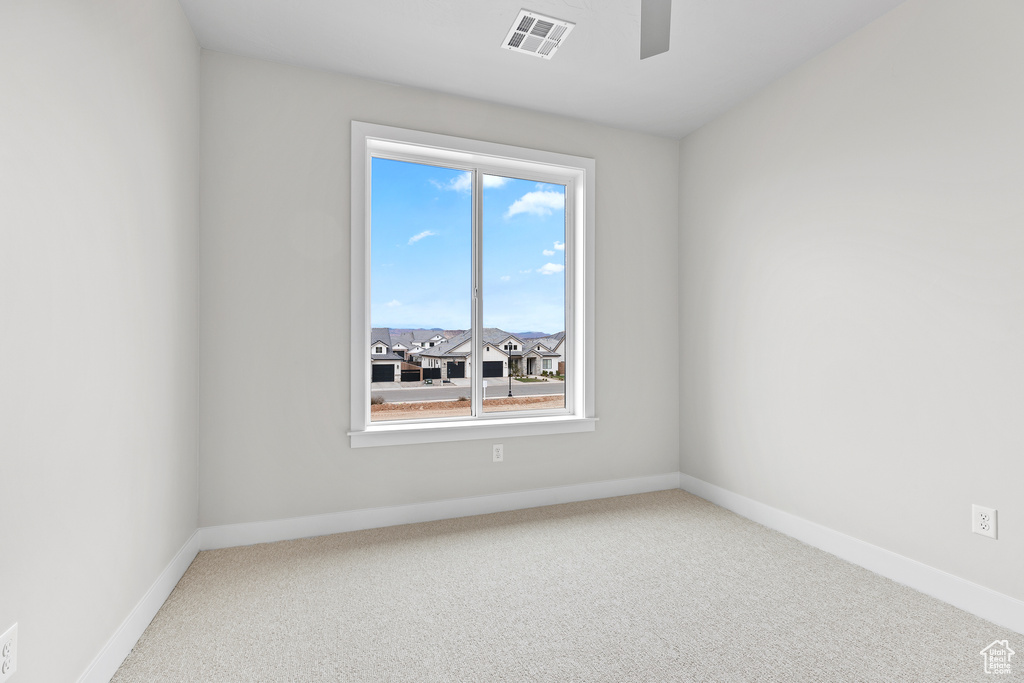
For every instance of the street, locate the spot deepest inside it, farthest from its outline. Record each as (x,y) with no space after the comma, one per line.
(496,388)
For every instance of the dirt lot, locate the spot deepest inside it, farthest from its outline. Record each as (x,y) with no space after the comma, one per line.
(427,409)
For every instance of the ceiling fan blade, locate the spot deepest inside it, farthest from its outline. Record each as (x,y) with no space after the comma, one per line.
(655,27)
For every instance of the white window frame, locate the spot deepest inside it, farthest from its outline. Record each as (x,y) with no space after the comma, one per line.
(577,173)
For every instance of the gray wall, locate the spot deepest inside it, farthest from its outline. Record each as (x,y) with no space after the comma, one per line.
(852,289)
(98,359)
(274,312)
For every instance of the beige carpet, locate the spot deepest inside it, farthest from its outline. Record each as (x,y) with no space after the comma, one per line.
(654,587)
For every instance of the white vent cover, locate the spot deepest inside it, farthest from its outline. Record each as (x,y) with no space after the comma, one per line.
(536,34)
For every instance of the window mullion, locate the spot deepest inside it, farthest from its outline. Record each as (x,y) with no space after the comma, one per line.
(476,357)
(568,343)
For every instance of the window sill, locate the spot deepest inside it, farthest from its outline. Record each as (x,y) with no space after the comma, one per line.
(406,434)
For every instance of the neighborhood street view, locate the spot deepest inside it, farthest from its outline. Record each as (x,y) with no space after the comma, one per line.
(418,374)
(422,274)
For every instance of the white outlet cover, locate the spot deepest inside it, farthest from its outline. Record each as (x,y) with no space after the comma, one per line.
(983,521)
(8,653)
(499,452)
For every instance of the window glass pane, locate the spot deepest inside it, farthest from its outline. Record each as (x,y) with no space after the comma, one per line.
(420,284)
(523,283)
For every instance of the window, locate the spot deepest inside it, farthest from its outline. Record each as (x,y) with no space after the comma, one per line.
(484,241)
(379,350)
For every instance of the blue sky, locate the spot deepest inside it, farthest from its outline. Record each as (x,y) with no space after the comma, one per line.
(421,235)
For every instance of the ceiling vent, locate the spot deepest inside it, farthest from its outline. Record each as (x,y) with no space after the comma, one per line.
(536,34)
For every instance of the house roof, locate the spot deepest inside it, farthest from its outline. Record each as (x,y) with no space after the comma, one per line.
(542,349)
(385,356)
(507,337)
(495,335)
(380,334)
(447,348)
(551,342)
(492,336)
(409,337)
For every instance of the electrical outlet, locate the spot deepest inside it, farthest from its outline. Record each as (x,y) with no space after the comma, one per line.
(499,452)
(8,653)
(983,521)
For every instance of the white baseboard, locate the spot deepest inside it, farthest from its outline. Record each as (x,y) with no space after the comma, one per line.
(230,535)
(105,665)
(983,602)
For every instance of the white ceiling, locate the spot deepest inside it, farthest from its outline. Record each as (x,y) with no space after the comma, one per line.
(722,51)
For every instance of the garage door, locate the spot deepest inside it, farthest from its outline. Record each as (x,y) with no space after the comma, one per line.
(492,368)
(382,373)
(456,370)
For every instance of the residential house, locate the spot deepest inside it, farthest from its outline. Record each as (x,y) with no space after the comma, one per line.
(554,359)
(385,364)
(390,351)
(503,352)
(411,343)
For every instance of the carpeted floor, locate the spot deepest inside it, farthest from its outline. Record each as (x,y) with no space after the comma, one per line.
(654,587)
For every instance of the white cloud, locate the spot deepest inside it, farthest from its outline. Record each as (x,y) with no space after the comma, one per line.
(416,238)
(524,272)
(393,303)
(539,203)
(460,183)
(464,182)
(560,246)
(548,252)
(506,278)
(550,269)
